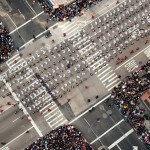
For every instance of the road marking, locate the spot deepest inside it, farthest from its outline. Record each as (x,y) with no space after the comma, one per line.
(11,20)
(31,7)
(118,147)
(120,139)
(24,109)
(107,131)
(18,118)
(37,36)
(25,22)
(16,137)
(79,116)
(133,57)
(21,14)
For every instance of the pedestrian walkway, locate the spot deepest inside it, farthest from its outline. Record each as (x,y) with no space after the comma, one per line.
(108,77)
(147,53)
(16,61)
(53,115)
(131,66)
(70,28)
(5,148)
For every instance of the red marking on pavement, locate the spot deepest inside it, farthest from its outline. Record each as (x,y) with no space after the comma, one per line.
(68,99)
(8,103)
(86,87)
(117,1)
(64,34)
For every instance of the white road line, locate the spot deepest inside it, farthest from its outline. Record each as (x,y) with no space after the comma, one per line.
(106,74)
(12,57)
(50,107)
(112,83)
(55,114)
(45,107)
(79,116)
(107,131)
(17,137)
(112,78)
(11,20)
(24,109)
(26,22)
(103,71)
(118,147)
(120,139)
(109,77)
(37,36)
(53,124)
(21,14)
(62,123)
(31,7)
(18,118)
(133,57)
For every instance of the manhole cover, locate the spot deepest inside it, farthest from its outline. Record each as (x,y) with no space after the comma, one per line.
(109,112)
(43,44)
(101,107)
(105,115)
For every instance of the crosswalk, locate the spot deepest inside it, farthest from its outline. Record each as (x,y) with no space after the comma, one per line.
(70,28)
(16,62)
(53,115)
(108,77)
(5,148)
(147,53)
(131,65)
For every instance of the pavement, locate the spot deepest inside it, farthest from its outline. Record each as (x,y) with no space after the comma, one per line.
(52,95)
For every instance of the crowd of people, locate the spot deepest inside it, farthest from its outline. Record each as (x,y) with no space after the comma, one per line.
(6,43)
(65,137)
(69,11)
(126,97)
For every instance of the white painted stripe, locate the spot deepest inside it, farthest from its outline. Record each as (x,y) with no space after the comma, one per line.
(106,74)
(98,66)
(114,86)
(56,108)
(24,109)
(97,62)
(62,123)
(108,77)
(120,139)
(132,57)
(112,78)
(12,58)
(45,107)
(107,131)
(18,118)
(53,120)
(103,71)
(15,64)
(54,123)
(50,106)
(26,22)
(79,116)
(56,113)
(112,83)
(17,137)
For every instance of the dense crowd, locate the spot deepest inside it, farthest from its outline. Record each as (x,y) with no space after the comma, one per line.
(6,43)
(126,97)
(69,11)
(65,137)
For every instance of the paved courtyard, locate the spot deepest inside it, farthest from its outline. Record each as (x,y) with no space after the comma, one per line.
(54,83)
